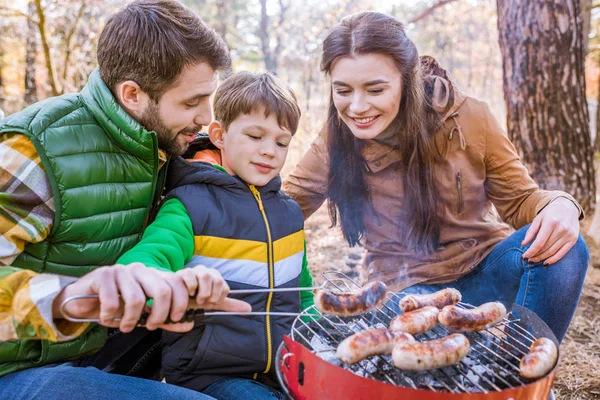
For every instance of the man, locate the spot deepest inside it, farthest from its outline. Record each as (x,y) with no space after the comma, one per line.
(79,176)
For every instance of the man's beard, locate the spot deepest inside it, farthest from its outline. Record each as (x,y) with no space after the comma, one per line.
(167,140)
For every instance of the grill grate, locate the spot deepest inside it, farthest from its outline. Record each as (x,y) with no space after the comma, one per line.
(492,364)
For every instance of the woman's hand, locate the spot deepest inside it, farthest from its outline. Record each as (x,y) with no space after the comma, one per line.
(555,229)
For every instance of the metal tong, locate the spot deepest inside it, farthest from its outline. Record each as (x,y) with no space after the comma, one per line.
(195,314)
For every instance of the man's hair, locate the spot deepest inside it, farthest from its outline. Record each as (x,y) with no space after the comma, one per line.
(151,41)
(245,92)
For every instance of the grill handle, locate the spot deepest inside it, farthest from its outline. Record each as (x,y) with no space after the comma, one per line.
(283,353)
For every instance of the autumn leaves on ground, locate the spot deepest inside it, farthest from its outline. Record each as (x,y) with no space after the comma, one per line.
(578,375)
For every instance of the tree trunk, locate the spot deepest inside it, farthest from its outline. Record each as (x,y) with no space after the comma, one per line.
(268,32)
(221,29)
(586,18)
(1,70)
(597,138)
(544,87)
(30,56)
(41,23)
(265,40)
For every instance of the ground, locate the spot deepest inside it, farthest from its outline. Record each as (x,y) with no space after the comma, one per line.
(578,373)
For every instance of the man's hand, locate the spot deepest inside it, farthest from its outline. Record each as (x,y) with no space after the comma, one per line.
(123,291)
(555,229)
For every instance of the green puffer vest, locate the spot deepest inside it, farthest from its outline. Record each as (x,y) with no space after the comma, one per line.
(103,167)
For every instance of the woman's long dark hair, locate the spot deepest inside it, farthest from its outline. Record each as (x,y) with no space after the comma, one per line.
(371,32)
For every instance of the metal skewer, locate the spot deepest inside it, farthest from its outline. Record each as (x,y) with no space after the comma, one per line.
(192,313)
(275,290)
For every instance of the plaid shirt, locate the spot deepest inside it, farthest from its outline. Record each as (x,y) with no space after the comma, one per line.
(26,216)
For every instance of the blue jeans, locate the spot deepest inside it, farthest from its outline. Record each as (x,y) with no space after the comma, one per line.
(552,292)
(65,381)
(241,389)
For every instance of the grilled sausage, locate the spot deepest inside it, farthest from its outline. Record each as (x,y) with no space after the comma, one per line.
(369,343)
(346,305)
(474,319)
(439,299)
(417,321)
(540,359)
(437,353)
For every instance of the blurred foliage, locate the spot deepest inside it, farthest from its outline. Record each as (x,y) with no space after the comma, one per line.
(462,35)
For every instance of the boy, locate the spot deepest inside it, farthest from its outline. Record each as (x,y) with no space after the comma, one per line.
(232,217)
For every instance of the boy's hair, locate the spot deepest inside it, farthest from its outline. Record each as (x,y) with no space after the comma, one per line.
(151,41)
(245,92)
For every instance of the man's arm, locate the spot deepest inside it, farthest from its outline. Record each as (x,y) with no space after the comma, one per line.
(26,216)
(26,306)
(26,200)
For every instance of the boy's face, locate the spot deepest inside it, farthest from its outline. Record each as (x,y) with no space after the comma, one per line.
(254,147)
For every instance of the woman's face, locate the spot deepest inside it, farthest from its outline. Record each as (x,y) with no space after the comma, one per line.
(367,90)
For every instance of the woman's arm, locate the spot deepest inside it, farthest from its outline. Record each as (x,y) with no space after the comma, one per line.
(554,215)
(307,183)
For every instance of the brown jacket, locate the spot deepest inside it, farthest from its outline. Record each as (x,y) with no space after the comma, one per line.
(480,173)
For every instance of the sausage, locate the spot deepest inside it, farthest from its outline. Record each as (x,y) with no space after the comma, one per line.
(474,319)
(439,299)
(436,353)
(346,305)
(369,343)
(540,359)
(417,321)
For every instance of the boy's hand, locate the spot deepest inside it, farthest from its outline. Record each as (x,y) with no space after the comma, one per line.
(205,285)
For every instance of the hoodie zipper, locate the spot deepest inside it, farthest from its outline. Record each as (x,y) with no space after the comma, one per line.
(459,189)
(256,195)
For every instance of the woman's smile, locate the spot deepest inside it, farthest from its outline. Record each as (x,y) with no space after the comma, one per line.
(365,122)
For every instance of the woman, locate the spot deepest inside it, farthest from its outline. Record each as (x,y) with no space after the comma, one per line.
(425,176)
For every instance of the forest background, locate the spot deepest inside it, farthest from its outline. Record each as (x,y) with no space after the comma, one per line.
(48,47)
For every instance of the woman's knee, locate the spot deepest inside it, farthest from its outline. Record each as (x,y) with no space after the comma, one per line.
(580,251)
(576,259)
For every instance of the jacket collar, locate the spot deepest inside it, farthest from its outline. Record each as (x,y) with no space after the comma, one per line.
(182,172)
(119,125)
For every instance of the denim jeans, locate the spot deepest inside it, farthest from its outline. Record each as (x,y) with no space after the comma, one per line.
(65,381)
(241,389)
(552,292)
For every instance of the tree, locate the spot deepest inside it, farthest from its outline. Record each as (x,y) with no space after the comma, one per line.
(544,88)
(30,57)
(270,33)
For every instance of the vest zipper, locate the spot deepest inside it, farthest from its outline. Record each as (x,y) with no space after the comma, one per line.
(256,195)
(459,189)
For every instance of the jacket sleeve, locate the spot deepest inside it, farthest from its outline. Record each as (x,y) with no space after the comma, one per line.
(26,306)
(307,183)
(26,204)
(306,297)
(515,195)
(168,242)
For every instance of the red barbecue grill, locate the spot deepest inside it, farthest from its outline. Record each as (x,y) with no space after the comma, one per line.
(308,368)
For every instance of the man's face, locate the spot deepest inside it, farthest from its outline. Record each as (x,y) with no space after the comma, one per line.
(255,148)
(182,110)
